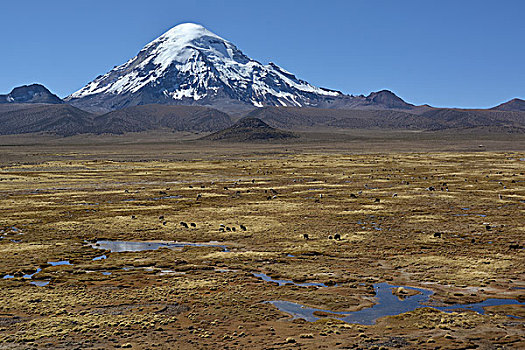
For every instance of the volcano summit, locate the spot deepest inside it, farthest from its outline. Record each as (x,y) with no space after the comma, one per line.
(192,66)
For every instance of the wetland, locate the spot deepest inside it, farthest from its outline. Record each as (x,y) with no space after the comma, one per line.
(258,248)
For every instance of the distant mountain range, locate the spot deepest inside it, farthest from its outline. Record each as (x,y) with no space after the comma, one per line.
(190,79)
(66,120)
(63,119)
(431,119)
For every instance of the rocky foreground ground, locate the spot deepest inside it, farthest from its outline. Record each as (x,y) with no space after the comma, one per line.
(451,223)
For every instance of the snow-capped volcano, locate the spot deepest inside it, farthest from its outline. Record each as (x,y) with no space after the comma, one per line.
(191,65)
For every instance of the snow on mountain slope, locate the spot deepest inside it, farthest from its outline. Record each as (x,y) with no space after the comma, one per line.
(191,65)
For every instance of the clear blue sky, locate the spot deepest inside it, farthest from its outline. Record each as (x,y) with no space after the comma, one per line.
(462,53)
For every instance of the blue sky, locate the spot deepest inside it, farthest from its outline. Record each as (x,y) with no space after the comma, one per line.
(444,53)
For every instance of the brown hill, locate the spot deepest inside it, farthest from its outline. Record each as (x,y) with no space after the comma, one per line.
(448,118)
(249,129)
(291,118)
(151,117)
(59,119)
(387,99)
(64,119)
(517,105)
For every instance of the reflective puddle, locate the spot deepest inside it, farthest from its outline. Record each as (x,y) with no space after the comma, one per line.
(40,283)
(30,275)
(132,246)
(388,304)
(121,246)
(283,282)
(58,263)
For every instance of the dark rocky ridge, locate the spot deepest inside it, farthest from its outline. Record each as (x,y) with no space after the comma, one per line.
(515,105)
(387,99)
(34,93)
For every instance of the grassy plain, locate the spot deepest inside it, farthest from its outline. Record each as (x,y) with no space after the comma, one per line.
(58,194)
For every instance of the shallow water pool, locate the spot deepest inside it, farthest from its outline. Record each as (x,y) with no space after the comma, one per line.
(387,304)
(136,246)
